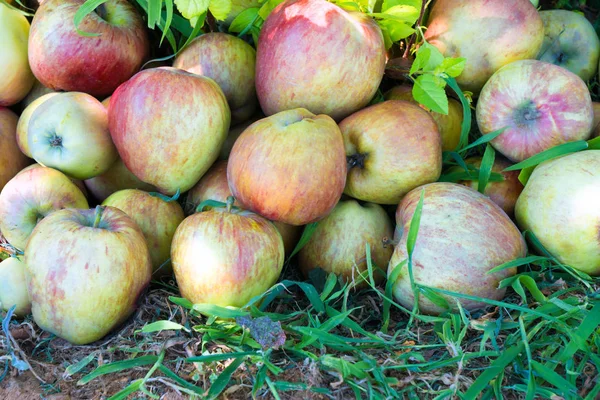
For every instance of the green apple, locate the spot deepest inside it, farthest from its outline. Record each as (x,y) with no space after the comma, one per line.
(13,287)
(23,124)
(37,91)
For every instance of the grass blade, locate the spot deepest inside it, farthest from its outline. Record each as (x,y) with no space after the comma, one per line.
(118,366)
(485,170)
(223,380)
(549,154)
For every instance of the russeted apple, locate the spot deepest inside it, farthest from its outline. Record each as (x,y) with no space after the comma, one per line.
(226,256)
(11,159)
(13,287)
(313,54)
(63,59)
(392,147)
(69,132)
(338,244)
(571,42)
(118,177)
(462,236)
(230,62)
(23,124)
(169,126)
(214,186)
(504,193)
(86,270)
(32,195)
(17,78)
(560,206)
(489,34)
(289,167)
(449,125)
(157,217)
(541,105)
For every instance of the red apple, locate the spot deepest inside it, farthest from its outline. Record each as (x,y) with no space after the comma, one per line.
(489,34)
(11,159)
(338,245)
(169,126)
(462,236)
(226,257)
(78,182)
(63,59)
(157,218)
(289,167)
(392,147)
(13,287)
(118,177)
(542,105)
(32,195)
(230,62)
(92,284)
(312,54)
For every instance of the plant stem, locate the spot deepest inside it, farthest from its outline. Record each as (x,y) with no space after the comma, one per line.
(98,216)
(419,21)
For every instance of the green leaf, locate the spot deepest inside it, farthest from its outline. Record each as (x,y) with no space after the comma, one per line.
(349,5)
(557,151)
(268,7)
(594,144)
(466,123)
(192,8)
(484,139)
(396,30)
(387,4)
(566,388)
(434,297)
(154,8)
(206,358)
(118,366)
(401,12)
(435,57)
(306,235)
(220,9)
(485,170)
(79,365)
(427,92)
(223,379)
(161,326)
(213,310)
(453,66)
(86,8)
(413,231)
(517,263)
(245,18)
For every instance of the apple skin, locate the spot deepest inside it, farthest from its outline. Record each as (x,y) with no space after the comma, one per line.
(214,186)
(38,90)
(338,245)
(13,287)
(62,59)
(303,59)
(78,182)
(226,258)
(32,195)
(194,104)
(571,42)
(93,283)
(396,146)
(229,61)
(489,34)
(538,115)
(449,125)
(504,193)
(17,78)
(289,167)
(69,132)
(158,219)
(118,177)
(106,102)
(462,235)
(23,124)
(596,123)
(11,159)
(234,133)
(560,206)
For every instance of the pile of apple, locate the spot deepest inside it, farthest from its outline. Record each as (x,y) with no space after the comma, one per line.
(115,173)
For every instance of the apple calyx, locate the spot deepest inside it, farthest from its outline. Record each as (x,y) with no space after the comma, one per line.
(55,140)
(165,198)
(98,216)
(356,160)
(527,113)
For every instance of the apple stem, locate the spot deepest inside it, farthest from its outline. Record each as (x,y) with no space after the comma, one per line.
(356,160)
(98,216)
(230,201)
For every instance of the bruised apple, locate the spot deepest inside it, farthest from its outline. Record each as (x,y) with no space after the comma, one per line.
(462,236)
(226,256)
(93,283)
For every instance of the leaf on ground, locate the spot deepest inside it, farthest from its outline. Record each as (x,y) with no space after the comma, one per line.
(264,330)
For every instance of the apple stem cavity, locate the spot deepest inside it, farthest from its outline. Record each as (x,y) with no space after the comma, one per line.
(98,216)
(356,160)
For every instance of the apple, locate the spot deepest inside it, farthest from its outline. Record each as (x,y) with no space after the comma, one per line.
(571,42)
(32,195)
(69,132)
(118,177)
(338,244)
(537,115)
(392,147)
(93,283)
(234,133)
(106,102)
(313,54)
(17,78)
(449,125)
(214,186)
(560,206)
(596,123)
(38,90)
(158,219)
(13,287)
(78,182)
(489,34)
(11,159)
(169,126)
(23,124)
(504,193)
(462,236)
(226,256)
(230,62)
(63,59)
(289,167)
